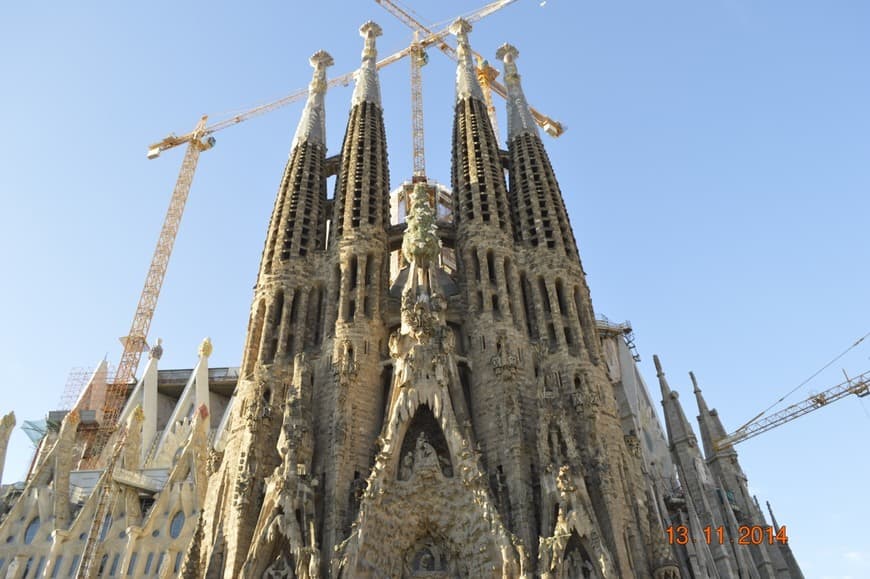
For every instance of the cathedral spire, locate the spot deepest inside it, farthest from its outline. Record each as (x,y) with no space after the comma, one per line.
(772,517)
(361,190)
(298,223)
(678,427)
(709,423)
(477,174)
(367,87)
(663,382)
(466,77)
(537,206)
(695,476)
(312,125)
(519,116)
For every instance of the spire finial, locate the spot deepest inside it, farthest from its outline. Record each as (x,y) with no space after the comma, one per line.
(312,125)
(205,348)
(703,410)
(519,116)
(663,383)
(466,77)
(369,31)
(367,88)
(772,517)
(156,350)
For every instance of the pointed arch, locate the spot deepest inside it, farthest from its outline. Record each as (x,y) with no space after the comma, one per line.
(424,446)
(577,561)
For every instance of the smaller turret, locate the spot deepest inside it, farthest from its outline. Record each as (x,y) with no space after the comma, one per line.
(7,423)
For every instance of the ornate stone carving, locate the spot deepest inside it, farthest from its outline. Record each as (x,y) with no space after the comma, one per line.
(423,461)
(214,461)
(420,242)
(279,569)
(206,348)
(632,443)
(157,350)
(506,363)
(346,366)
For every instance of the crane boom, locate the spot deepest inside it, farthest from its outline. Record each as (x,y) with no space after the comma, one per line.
(859,386)
(173,140)
(551,126)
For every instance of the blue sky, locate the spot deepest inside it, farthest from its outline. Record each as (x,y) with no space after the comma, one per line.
(715,170)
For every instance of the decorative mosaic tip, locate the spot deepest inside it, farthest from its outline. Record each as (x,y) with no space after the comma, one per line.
(663,382)
(321,60)
(460,29)
(466,75)
(519,116)
(8,421)
(203,411)
(205,348)
(657,362)
(367,87)
(157,350)
(138,414)
(369,31)
(312,125)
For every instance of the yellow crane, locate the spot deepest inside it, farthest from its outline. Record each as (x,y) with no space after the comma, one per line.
(859,386)
(135,341)
(485,72)
(418,59)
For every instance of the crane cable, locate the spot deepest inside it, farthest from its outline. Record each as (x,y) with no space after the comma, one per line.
(816,373)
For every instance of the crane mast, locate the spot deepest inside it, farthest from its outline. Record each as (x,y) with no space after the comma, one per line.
(418,59)
(485,77)
(135,341)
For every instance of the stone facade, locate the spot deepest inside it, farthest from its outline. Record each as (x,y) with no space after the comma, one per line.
(463,415)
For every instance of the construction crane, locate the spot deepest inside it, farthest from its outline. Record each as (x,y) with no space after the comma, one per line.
(859,386)
(135,341)
(551,126)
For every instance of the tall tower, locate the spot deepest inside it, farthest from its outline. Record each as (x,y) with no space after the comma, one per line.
(287,318)
(350,418)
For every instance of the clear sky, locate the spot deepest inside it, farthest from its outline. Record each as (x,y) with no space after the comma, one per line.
(716,169)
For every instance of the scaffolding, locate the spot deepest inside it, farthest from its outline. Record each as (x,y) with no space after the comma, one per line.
(76,381)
